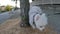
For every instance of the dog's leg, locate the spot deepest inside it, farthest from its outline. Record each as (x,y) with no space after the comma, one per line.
(32,25)
(31,22)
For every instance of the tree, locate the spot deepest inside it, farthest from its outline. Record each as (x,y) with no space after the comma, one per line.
(24,5)
(8,8)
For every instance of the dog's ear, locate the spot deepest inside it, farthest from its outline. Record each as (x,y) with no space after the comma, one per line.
(37,16)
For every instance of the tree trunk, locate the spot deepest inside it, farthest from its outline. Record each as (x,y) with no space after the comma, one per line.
(24,5)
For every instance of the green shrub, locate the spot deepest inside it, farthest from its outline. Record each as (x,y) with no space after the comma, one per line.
(8,8)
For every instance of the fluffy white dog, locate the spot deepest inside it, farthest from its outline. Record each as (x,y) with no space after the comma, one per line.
(40,21)
(36,19)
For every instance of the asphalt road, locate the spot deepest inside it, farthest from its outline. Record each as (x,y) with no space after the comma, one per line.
(4,16)
(7,15)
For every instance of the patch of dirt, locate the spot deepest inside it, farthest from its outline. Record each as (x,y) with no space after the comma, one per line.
(12,26)
(9,23)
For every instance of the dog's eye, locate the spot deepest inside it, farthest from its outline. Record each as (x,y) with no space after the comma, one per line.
(41,26)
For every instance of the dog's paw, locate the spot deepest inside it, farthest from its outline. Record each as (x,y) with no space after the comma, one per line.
(33,27)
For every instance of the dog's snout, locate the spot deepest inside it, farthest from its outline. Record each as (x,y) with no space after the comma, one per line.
(41,26)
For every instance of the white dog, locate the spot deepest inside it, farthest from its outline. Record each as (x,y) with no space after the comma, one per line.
(35,19)
(40,21)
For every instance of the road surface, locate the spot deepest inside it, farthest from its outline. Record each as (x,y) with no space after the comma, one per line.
(5,16)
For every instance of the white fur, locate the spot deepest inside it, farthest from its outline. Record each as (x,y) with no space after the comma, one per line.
(41,22)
